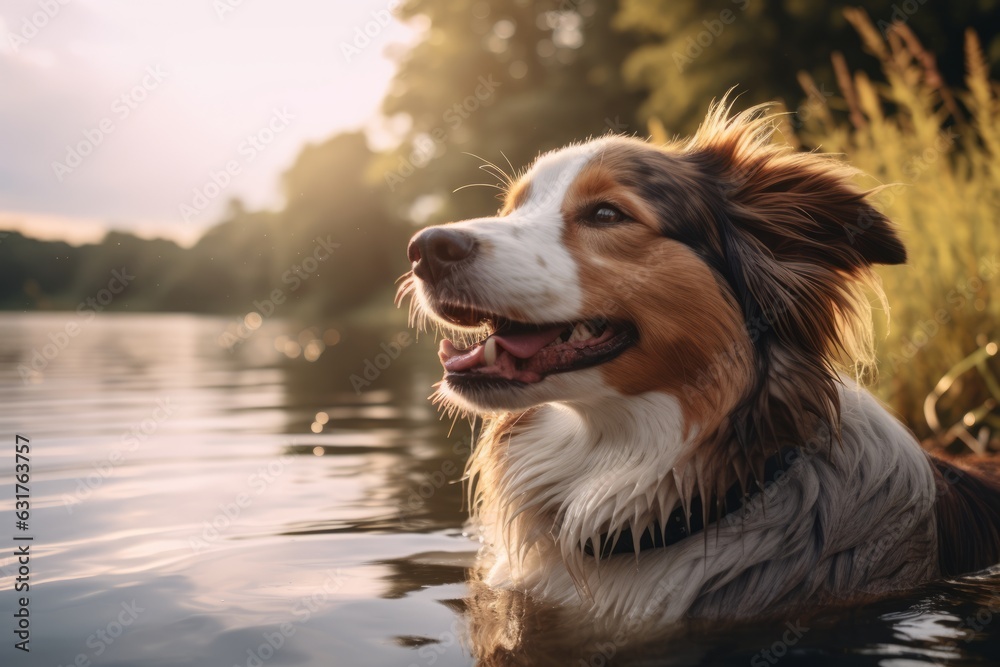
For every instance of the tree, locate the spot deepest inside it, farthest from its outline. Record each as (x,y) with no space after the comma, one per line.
(329,197)
(696,50)
(504,80)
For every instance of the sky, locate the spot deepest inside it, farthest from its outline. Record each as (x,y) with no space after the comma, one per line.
(151,116)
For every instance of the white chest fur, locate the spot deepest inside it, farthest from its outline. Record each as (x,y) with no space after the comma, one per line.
(854,519)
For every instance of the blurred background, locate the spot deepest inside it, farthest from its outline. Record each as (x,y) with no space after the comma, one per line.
(206,146)
(204,207)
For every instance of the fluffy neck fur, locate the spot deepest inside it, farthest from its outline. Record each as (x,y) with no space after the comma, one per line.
(859,512)
(561,474)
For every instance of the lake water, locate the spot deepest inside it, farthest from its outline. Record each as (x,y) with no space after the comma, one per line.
(196,505)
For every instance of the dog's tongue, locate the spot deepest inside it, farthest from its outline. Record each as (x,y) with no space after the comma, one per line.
(521,345)
(527,345)
(456,361)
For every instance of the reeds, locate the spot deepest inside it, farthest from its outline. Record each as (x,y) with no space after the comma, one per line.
(934,153)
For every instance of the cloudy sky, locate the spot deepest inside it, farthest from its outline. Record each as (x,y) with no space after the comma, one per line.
(118,113)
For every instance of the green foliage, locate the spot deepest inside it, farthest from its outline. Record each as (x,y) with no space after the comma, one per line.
(554,69)
(936,154)
(328,196)
(225,270)
(696,49)
(511,78)
(243,259)
(33,273)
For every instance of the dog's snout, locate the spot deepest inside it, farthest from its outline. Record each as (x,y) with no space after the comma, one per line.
(434,252)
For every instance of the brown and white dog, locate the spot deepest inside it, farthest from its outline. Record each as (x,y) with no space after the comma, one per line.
(653,336)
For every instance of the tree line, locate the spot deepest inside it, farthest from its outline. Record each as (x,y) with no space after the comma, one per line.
(503,80)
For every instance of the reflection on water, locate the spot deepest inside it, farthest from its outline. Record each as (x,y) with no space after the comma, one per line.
(193,505)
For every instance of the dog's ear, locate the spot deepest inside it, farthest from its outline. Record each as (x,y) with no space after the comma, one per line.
(795,240)
(876,237)
(794,231)
(802,207)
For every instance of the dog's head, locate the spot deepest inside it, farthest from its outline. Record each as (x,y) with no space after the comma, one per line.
(721,270)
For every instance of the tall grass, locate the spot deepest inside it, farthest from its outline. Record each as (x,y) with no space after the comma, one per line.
(935,152)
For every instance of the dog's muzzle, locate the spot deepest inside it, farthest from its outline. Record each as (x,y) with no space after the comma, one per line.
(436,251)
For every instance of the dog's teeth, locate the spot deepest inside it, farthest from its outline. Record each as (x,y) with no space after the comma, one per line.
(581,332)
(490,351)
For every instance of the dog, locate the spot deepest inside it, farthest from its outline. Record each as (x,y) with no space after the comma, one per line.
(658,340)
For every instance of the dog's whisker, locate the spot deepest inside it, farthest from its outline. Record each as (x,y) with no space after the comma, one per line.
(643,369)
(505,182)
(452,427)
(479,185)
(513,171)
(486,162)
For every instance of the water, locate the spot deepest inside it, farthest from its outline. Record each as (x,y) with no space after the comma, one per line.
(192,505)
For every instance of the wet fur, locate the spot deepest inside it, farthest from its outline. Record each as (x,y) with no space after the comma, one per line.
(745,268)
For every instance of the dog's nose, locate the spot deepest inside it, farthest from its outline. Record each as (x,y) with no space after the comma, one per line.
(435,251)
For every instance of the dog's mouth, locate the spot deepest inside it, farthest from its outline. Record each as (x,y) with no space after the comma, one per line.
(520,352)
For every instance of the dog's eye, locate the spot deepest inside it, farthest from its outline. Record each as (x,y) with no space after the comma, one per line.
(607,215)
